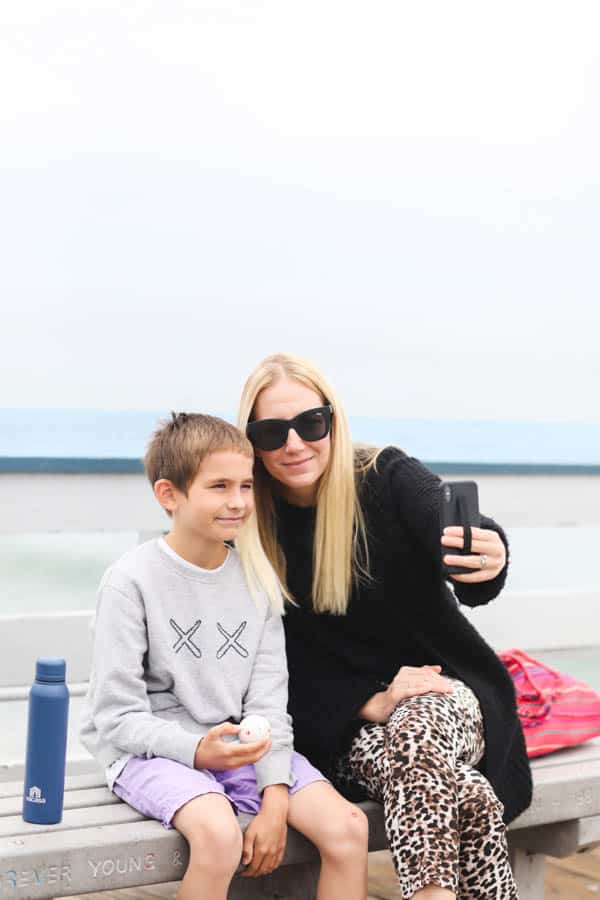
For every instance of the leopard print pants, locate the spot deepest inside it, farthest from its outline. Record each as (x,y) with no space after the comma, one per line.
(442,818)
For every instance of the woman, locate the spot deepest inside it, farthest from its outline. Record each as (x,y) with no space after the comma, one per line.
(392,691)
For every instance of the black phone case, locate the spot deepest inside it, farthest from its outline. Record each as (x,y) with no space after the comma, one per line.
(459,505)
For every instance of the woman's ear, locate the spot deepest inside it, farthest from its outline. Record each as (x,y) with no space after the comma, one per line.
(165,493)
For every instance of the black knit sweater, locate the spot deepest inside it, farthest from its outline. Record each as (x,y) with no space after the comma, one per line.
(406,615)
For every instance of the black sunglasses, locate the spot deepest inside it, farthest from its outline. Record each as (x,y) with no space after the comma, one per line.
(310,425)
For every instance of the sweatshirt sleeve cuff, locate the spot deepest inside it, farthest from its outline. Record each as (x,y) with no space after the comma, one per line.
(274,768)
(181,748)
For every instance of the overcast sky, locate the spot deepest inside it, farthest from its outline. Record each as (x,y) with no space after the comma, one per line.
(408,193)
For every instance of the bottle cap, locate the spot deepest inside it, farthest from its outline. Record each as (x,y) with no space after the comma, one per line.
(50,669)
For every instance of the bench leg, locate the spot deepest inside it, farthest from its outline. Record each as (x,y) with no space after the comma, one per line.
(529,870)
(292,882)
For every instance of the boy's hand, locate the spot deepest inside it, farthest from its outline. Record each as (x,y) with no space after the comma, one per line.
(265,837)
(214,753)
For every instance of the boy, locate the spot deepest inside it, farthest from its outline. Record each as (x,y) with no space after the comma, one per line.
(186,644)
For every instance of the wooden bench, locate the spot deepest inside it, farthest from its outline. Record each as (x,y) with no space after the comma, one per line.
(103,844)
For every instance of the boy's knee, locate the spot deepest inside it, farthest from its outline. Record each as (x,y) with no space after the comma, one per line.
(348,835)
(217,838)
(213,833)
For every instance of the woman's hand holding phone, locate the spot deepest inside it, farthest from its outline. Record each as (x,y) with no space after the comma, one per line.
(485,544)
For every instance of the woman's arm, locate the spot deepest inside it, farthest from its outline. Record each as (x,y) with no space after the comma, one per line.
(414,492)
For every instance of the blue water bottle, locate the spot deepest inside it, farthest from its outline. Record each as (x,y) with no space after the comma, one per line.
(44,784)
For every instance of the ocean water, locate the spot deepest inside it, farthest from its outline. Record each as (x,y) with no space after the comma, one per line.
(42,573)
(61,572)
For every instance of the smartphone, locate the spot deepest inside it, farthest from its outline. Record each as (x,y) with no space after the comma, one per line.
(459,505)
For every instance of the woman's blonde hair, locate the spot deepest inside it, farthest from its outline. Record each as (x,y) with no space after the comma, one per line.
(340,554)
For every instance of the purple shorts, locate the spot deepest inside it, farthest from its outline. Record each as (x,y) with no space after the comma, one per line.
(158,787)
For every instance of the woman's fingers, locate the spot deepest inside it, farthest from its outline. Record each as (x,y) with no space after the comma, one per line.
(487,547)
(411,681)
(477,576)
(476,546)
(472,562)
(477,534)
(404,693)
(483,540)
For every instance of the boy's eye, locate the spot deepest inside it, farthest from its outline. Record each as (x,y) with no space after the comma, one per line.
(221,484)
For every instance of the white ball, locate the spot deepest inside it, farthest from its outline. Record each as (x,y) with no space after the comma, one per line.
(254,728)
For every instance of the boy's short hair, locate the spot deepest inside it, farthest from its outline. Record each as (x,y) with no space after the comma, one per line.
(177,448)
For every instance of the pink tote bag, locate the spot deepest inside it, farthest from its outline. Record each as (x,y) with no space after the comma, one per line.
(556,710)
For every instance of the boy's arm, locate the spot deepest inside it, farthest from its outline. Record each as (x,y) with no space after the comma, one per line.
(267,696)
(120,707)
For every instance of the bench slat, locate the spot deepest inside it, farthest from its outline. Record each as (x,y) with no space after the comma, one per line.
(12,806)
(72,783)
(589,751)
(566,786)
(72,819)
(589,831)
(559,839)
(62,863)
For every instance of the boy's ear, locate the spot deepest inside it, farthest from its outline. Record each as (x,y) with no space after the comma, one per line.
(164,491)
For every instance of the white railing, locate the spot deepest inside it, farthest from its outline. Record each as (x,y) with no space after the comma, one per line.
(85,502)
(553,523)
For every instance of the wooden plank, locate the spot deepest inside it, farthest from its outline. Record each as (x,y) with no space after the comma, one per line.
(108,858)
(563,792)
(73,819)
(580,864)
(39,864)
(558,839)
(588,752)
(72,783)
(93,797)
(566,885)
(563,882)
(80,765)
(138,852)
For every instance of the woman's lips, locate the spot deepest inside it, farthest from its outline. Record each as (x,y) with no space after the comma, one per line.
(297,465)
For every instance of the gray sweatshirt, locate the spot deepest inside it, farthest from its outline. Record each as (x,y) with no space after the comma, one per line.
(177,650)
